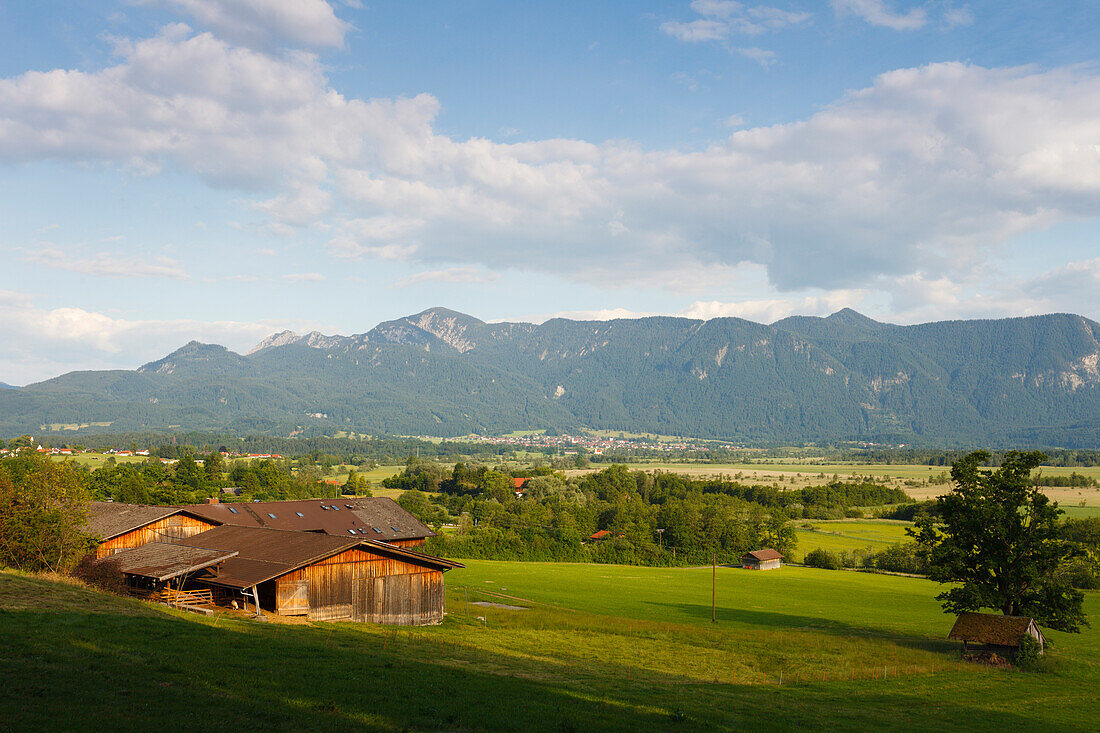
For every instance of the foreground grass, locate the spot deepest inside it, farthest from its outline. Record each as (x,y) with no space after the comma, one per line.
(604,647)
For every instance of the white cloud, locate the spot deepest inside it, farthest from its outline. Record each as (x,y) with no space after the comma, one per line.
(880,13)
(760,55)
(722,18)
(697,30)
(925,170)
(956,17)
(1075,282)
(771,310)
(458,275)
(304,277)
(49,341)
(107,264)
(309,23)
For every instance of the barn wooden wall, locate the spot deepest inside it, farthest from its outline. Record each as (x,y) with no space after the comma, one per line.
(163,530)
(360,586)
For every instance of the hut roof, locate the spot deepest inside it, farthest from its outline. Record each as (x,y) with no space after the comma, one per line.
(262,554)
(164,561)
(377,518)
(765,554)
(991,628)
(108,519)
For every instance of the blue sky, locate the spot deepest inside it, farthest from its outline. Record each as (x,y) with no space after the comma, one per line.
(223,169)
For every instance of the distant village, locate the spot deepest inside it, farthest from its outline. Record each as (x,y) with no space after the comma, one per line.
(596,445)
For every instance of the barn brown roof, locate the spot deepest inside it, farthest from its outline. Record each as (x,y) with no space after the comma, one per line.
(765,554)
(376,518)
(991,628)
(108,519)
(163,561)
(264,553)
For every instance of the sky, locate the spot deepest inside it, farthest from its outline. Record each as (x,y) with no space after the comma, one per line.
(221,170)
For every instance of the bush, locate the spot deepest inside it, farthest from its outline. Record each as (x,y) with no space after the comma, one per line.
(824,559)
(1028,654)
(102,575)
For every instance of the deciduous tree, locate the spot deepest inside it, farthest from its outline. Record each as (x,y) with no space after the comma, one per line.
(999,542)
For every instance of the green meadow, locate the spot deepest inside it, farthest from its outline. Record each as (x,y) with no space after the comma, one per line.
(596,647)
(845,534)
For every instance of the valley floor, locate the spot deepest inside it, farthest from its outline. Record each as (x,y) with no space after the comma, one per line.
(597,647)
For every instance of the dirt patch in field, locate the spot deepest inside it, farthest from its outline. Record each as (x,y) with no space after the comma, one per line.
(505,606)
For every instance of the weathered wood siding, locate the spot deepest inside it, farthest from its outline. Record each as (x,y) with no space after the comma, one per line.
(163,530)
(406,600)
(359,586)
(409,543)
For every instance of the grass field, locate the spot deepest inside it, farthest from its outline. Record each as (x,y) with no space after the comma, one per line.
(97,460)
(599,647)
(848,534)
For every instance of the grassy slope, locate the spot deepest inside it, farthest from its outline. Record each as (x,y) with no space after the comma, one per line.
(609,647)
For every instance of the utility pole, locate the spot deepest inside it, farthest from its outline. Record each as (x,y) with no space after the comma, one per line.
(713,583)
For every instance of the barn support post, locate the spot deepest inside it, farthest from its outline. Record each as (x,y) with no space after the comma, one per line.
(256,597)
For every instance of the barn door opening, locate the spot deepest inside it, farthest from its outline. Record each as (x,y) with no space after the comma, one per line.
(292,597)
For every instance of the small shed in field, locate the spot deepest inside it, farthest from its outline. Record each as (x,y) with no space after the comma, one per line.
(121,526)
(325,577)
(765,559)
(1001,633)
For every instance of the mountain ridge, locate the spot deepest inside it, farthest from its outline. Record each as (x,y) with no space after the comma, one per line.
(442,372)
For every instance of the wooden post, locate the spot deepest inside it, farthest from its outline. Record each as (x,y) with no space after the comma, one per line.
(713,583)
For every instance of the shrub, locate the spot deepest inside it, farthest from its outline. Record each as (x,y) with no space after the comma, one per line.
(102,575)
(820,558)
(1028,654)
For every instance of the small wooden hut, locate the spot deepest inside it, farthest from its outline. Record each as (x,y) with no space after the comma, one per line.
(998,633)
(765,559)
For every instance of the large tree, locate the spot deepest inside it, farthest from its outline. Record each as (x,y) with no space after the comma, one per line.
(997,539)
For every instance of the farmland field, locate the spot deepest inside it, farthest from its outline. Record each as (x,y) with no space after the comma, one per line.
(846,534)
(603,647)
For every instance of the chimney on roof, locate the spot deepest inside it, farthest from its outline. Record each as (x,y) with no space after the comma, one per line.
(212,500)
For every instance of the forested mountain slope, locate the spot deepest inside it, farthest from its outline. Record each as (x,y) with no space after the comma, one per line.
(439,372)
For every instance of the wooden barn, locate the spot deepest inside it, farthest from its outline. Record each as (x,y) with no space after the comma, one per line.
(373,518)
(765,559)
(998,633)
(313,574)
(123,526)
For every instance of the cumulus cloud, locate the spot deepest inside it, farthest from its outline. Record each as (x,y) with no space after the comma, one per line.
(308,23)
(927,169)
(772,309)
(304,277)
(107,264)
(880,13)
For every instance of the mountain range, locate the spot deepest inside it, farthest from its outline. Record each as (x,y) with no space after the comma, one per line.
(1032,380)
